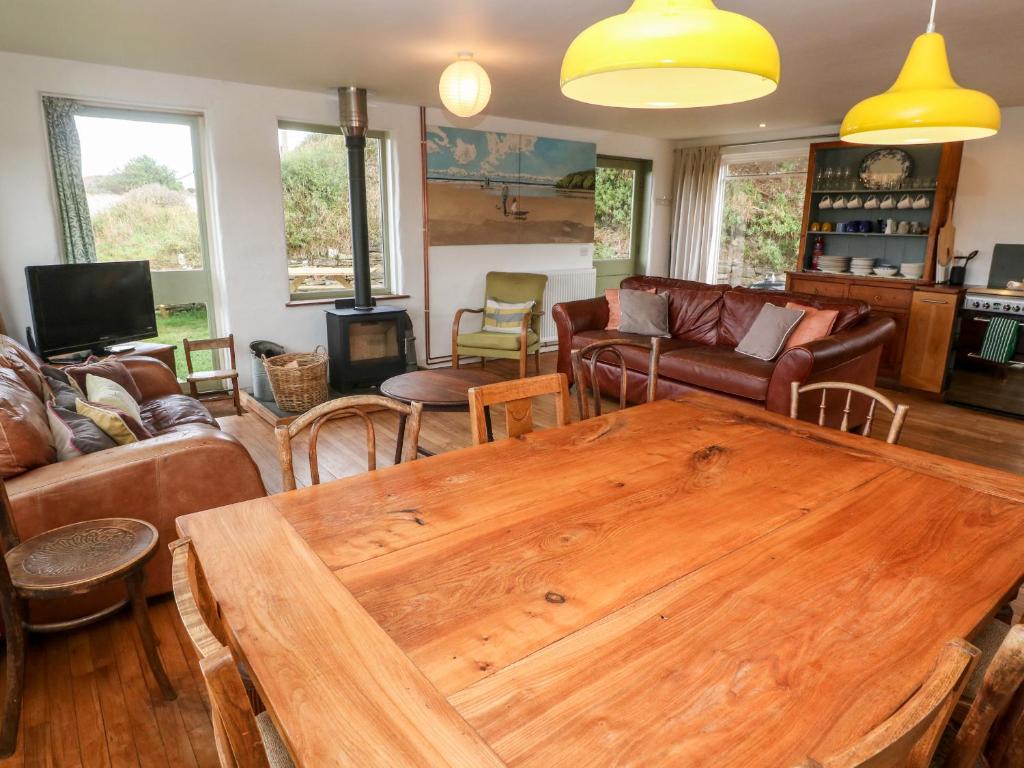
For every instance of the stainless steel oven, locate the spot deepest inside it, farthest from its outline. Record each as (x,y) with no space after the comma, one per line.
(977,382)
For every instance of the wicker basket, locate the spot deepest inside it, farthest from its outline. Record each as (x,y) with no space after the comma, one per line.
(301,387)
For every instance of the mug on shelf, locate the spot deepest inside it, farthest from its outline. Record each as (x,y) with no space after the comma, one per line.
(815,226)
(905,203)
(871,203)
(921,202)
(887,202)
(839,203)
(825,202)
(854,201)
(903,228)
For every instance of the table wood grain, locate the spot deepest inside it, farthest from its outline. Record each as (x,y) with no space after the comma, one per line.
(691,582)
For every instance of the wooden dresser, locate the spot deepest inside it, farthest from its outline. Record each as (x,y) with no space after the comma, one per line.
(886,297)
(935,175)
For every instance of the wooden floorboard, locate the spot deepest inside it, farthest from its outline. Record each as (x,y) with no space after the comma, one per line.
(90,699)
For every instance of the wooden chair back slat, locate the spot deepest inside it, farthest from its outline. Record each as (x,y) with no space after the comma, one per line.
(996,713)
(899,412)
(201,345)
(517,396)
(909,737)
(236,733)
(591,354)
(354,405)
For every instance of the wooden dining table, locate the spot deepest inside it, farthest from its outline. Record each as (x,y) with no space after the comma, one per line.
(691,582)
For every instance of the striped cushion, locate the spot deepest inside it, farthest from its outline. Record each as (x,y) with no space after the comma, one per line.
(505,316)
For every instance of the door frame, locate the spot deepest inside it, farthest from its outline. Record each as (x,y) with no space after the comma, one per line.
(194,121)
(641,182)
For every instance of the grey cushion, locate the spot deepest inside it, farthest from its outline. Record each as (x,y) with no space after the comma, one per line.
(74,434)
(769,332)
(64,395)
(643,313)
(277,752)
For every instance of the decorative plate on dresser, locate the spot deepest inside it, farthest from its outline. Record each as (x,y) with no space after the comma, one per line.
(886,168)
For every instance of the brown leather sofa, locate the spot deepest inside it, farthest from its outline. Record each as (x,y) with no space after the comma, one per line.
(707,322)
(187,466)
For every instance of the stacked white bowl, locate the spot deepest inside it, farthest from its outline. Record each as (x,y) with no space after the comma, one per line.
(834,263)
(913,270)
(862,265)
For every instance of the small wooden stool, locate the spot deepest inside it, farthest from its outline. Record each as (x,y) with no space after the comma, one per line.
(70,560)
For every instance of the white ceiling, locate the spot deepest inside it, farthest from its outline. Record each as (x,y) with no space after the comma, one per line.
(833,52)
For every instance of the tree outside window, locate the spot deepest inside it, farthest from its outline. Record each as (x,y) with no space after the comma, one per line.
(762,215)
(318,228)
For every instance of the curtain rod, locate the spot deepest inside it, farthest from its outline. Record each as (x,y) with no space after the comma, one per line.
(780,141)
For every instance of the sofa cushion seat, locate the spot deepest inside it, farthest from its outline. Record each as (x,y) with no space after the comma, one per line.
(163,414)
(719,368)
(636,358)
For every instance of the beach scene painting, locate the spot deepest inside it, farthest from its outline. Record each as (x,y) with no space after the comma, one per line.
(498,188)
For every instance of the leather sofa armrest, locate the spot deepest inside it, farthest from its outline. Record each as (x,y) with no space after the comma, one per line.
(851,355)
(157,480)
(153,378)
(572,317)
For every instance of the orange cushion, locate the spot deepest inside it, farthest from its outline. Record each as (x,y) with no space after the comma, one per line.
(611,295)
(816,324)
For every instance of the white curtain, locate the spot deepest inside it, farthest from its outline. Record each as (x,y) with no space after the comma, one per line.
(695,188)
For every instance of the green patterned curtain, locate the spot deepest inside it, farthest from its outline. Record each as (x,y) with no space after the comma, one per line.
(66,154)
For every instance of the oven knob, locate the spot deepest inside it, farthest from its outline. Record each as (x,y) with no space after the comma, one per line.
(975,303)
(1016,307)
(985,305)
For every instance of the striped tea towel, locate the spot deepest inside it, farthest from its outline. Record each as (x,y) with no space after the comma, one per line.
(1000,339)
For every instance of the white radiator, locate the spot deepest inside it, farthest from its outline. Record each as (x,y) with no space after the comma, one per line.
(564,285)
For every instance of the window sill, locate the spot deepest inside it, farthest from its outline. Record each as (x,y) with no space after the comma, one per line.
(331,300)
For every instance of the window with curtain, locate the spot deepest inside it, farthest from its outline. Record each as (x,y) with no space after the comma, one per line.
(318,229)
(761,216)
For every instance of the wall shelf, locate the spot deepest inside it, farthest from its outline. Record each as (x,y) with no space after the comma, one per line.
(862,234)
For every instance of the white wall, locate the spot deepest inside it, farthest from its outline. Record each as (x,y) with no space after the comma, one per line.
(990,198)
(246,223)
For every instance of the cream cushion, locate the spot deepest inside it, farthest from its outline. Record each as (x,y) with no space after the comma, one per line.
(107,392)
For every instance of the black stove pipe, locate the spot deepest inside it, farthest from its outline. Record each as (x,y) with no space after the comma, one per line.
(353,125)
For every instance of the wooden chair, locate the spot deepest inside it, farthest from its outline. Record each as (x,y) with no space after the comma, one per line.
(230,375)
(909,737)
(70,560)
(994,721)
(517,396)
(243,738)
(899,412)
(593,352)
(355,405)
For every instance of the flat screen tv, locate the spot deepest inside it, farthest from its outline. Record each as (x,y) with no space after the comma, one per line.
(90,306)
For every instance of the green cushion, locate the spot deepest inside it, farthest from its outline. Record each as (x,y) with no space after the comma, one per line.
(506,341)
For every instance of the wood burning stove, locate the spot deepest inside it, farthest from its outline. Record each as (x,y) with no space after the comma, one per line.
(365,347)
(365,343)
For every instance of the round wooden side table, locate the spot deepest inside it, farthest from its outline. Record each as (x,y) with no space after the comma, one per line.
(438,389)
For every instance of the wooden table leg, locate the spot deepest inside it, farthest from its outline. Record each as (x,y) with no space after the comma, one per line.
(14,630)
(400,441)
(136,583)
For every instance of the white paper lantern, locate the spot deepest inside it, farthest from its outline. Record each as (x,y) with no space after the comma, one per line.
(465,87)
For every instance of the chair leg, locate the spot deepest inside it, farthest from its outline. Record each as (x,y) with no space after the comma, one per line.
(536,362)
(235,398)
(193,390)
(483,362)
(136,584)
(522,364)
(14,629)
(455,358)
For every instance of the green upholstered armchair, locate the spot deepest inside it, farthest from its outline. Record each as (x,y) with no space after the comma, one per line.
(509,287)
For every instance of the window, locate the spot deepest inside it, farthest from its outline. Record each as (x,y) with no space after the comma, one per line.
(143,184)
(761,216)
(318,230)
(618,208)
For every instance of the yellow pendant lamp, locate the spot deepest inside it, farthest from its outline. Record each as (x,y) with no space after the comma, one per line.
(925,105)
(671,53)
